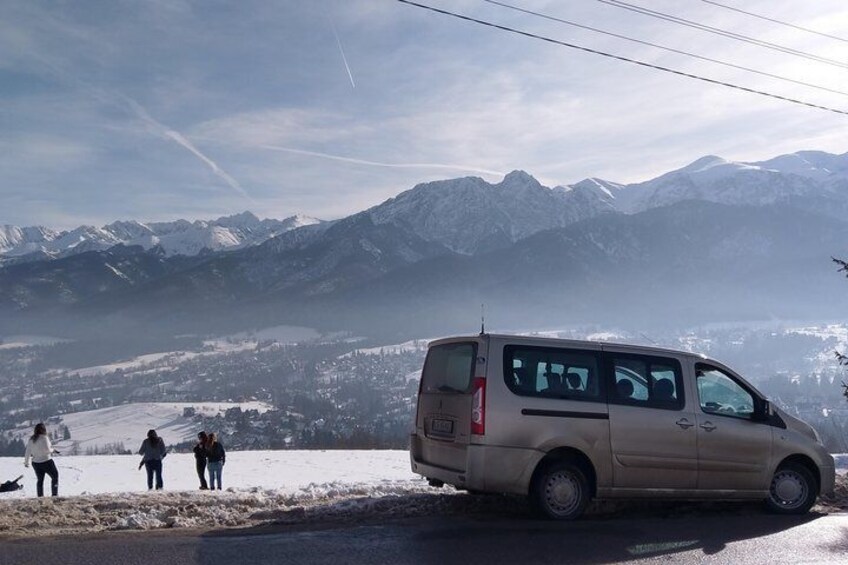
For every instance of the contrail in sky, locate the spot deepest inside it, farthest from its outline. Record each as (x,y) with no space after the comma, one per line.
(112,97)
(344,59)
(175,136)
(379,164)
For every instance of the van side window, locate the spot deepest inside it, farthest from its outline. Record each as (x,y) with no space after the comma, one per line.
(719,393)
(552,372)
(647,381)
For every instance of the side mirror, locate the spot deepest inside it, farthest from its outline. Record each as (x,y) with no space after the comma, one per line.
(762,411)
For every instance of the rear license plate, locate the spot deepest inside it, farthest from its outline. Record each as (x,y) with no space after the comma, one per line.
(442,426)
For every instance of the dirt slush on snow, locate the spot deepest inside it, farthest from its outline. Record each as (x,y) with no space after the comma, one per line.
(110,493)
(100,493)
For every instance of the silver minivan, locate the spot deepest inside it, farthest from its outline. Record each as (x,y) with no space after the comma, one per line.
(565,421)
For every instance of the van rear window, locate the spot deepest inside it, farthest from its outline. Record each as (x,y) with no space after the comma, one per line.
(449,368)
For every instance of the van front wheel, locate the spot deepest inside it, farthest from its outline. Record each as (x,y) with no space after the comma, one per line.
(792,490)
(560,491)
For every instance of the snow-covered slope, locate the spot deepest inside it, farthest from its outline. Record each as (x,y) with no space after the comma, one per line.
(18,241)
(469,214)
(812,180)
(128,423)
(179,237)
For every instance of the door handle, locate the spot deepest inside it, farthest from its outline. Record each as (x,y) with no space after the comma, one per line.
(684,423)
(708,426)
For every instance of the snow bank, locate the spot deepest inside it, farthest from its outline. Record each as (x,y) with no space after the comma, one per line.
(243,507)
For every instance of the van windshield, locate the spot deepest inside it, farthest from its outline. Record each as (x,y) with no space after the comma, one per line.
(449,367)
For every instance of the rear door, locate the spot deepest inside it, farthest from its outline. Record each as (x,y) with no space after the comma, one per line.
(443,421)
(652,430)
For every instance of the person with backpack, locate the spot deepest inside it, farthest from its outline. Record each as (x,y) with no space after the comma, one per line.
(216,457)
(152,453)
(200,456)
(40,450)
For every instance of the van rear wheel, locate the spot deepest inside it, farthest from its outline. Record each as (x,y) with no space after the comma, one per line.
(560,491)
(792,490)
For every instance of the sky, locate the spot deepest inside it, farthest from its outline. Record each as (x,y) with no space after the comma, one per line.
(163,109)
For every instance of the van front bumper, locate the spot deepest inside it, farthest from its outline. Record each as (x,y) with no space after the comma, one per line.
(828,480)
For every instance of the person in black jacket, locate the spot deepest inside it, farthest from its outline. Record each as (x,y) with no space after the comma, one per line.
(152,453)
(200,459)
(216,456)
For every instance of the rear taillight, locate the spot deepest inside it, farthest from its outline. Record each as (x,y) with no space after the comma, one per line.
(478,406)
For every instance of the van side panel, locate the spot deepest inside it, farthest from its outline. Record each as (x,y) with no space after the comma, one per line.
(522,429)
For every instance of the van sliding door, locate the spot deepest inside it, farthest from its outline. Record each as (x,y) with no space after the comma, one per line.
(652,431)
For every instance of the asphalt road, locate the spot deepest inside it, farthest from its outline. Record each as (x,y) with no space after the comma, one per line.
(488,539)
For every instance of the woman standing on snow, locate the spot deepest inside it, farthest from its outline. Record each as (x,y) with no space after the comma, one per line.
(152,453)
(41,451)
(216,456)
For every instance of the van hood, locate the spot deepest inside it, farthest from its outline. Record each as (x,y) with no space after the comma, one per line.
(799,426)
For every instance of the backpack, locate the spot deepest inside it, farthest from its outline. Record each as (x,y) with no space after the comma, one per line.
(10,486)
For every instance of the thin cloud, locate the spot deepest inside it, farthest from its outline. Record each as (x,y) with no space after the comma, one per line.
(380,164)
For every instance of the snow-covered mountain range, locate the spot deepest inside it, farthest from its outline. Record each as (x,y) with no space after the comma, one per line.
(812,180)
(714,238)
(469,215)
(180,237)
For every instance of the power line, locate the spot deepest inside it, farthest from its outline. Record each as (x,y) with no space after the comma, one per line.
(670,49)
(776,21)
(620,58)
(723,32)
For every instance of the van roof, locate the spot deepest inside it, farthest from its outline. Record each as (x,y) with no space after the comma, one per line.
(535,340)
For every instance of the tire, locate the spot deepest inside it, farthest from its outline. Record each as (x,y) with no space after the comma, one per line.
(560,491)
(793,490)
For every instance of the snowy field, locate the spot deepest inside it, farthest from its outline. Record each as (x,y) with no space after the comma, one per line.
(286,471)
(128,423)
(109,493)
(224,345)
(18,341)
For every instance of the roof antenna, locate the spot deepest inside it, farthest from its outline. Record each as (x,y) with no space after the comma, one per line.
(482,319)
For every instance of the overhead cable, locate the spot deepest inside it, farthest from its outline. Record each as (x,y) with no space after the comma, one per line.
(620,58)
(774,20)
(665,48)
(723,32)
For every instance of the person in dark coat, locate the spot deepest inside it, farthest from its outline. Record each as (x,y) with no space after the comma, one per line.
(200,458)
(216,456)
(152,453)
